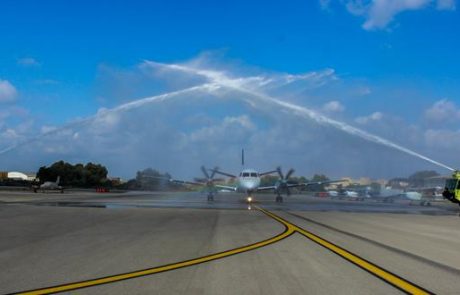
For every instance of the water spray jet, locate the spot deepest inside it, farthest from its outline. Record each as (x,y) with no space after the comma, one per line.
(220,78)
(121,108)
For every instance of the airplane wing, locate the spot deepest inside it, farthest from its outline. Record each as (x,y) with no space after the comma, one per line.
(268,172)
(266,188)
(177,181)
(313,183)
(289,185)
(185,182)
(232,188)
(223,173)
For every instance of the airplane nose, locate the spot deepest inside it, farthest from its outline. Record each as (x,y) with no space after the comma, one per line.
(251,185)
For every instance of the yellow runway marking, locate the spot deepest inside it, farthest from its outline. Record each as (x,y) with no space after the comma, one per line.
(290,229)
(150,271)
(377,271)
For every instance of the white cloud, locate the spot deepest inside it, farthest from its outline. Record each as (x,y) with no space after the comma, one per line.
(28,62)
(443,111)
(376,116)
(237,111)
(234,128)
(442,138)
(380,13)
(47,129)
(7,91)
(105,120)
(9,134)
(12,135)
(333,107)
(12,112)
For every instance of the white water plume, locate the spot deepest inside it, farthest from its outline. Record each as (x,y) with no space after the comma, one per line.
(240,84)
(255,96)
(121,108)
(307,113)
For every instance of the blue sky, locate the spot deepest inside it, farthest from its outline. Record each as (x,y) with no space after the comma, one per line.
(393,58)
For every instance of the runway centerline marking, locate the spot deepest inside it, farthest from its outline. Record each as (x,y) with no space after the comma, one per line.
(290,228)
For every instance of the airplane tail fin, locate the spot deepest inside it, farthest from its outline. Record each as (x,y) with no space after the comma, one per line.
(242,157)
(58,180)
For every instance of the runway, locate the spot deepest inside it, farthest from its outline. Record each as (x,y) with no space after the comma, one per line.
(173,243)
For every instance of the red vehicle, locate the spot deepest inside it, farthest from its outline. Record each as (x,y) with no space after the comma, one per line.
(322,194)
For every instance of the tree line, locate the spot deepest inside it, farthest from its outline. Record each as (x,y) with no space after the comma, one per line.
(95,175)
(78,175)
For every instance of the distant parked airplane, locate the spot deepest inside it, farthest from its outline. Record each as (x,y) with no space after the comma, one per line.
(50,185)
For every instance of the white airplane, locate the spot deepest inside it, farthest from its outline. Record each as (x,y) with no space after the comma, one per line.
(389,195)
(351,194)
(346,194)
(248,182)
(50,185)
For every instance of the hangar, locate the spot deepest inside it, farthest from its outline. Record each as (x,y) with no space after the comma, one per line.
(22,176)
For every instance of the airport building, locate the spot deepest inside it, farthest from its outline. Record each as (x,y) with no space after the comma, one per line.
(21,176)
(436,181)
(398,183)
(363,181)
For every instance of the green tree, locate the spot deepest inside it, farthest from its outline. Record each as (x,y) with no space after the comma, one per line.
(268,180)
(79,175)
(317,187)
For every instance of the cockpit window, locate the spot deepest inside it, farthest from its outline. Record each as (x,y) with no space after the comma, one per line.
(253,174)
(452,183)
(245,174)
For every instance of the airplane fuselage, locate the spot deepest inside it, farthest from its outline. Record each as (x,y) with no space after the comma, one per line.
(248,181)
(50,185)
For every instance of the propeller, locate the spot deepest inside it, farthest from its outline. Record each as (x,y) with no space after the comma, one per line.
(283,181)
(203,169)
(208,179)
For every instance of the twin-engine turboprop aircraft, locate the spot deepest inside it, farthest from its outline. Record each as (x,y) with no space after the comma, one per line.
(248,181)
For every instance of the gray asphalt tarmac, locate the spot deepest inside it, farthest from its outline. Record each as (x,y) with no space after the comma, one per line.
(73,239)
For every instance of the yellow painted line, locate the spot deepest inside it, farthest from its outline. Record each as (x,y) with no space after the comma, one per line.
(377,271)
(289,230)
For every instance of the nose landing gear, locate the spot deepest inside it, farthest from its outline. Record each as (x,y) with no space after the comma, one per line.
(279,199)
(210,197)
